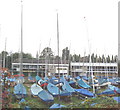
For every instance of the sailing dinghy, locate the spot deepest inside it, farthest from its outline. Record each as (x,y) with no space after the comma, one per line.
(42,83)
(20,91)
(81,83)
(85,92)
(67,87)
(55,91)
(56,106)
(45,96)
(35,89)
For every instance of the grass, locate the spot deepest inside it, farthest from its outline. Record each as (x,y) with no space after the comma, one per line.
(104,101)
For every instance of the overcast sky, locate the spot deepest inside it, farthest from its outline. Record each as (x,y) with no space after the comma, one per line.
(80,22)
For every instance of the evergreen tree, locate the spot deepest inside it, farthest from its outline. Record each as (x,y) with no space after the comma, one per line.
(92,58)
(47,54)
(108,59)
(112,60)
(95,59)
(103,59)
(65,54)
(115,58)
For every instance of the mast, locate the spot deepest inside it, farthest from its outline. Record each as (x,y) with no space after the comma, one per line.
(46,66)
(38,54)
(58,53)
(58,43)
(91,70)
(4,54)
(90,62)
(84,63)
(21,51)
(48,60)
(69,61)
(37,63)
(12,61)
(0,54)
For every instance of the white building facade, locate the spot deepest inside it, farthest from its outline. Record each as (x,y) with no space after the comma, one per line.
(73,69)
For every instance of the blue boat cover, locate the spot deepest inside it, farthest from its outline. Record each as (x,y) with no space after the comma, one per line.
(45,96)
(46,78)
(37,78)
(27,108)
(67,87)
(111,87)
(102,80)
(12,79)
(86,78)
(112,80)
(54,90)
(22,100)
(81,83)
(117,99)
(115,80)
(35,89)
(54,80)
(93,104)
(19,89)
(7,78)
(85,92)
(71,82)
(68,76)
(55,106)
(65,93)
(118,90)
(21,77)
(114,88)
(62,79)
(107,92)
(30,78)
(77,78)
(40,82)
